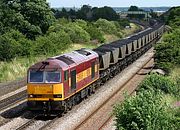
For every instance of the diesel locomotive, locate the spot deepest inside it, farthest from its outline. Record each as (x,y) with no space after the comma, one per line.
(60,82)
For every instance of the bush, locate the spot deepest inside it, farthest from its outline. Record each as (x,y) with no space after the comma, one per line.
(75,30)
(76,33)
(13,44)
(157,82)
(95,33)
(59,25)
(168,51)
(123,23)
(173,18)
(166,66)
(107,27)
(146,111)
(52,43)
(81,23)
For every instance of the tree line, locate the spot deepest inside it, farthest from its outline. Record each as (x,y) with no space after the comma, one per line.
(87,13)
(30,28)
(31,18)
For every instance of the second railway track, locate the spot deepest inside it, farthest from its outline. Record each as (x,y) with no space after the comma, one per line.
(12,100)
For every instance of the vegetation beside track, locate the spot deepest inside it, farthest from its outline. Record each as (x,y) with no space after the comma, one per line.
(168,50)
(153,108)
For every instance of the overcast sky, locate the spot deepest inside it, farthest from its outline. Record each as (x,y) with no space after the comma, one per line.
(113,3)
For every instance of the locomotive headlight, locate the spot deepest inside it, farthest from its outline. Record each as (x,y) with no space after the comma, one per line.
(30,96)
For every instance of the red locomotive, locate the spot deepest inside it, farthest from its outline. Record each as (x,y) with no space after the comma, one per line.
(55,81)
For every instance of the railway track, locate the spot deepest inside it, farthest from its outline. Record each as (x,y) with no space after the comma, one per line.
(28,123)
(12,100)
(87,123)
(49,122)
(34,121)
(12,106)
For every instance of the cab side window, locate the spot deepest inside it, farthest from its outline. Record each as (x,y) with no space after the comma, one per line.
(92,70)
(66,76)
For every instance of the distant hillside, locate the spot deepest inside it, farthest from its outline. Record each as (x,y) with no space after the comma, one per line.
(119,9)
(155,9)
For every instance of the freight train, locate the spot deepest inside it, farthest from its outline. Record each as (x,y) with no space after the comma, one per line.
(60,82)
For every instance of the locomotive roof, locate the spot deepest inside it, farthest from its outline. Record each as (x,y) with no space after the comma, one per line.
(49,64)
(67,60)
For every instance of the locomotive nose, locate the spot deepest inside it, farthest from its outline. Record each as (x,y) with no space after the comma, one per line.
(40,89)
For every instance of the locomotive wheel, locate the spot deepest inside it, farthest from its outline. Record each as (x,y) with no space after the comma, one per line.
(111,75)
(74,101)
(90,91)
(116,72)
(65,107)
(70,105)
(87,93)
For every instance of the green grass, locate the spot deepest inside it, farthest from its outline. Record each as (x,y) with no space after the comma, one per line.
(17,68)
(175,74)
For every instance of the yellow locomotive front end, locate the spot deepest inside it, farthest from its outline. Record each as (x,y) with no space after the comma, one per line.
(45,89)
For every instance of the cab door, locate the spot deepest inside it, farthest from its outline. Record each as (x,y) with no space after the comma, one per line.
(73,80)
(66,82)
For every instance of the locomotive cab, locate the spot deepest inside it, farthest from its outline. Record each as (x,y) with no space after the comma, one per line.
(55,83)
(43,83)
(45,86)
